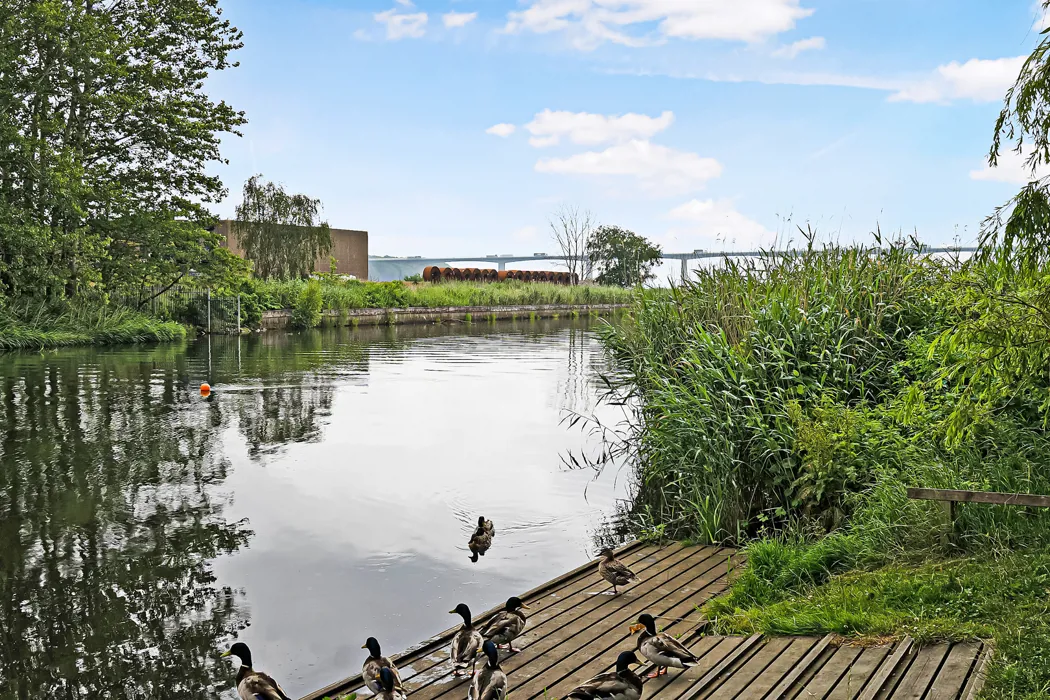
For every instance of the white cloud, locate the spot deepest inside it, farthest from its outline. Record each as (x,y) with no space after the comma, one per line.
(402,26)
(814,43)
(548,127)
(501,130)
(978,79)
(714,224)
(525,234)
(405,3)
(656,168)
(1011,168)
(1042,19)
(458,19)
(592,22)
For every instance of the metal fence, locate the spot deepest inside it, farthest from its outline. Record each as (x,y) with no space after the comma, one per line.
(212,313)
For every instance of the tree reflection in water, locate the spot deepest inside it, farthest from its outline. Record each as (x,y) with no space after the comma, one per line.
(108,530)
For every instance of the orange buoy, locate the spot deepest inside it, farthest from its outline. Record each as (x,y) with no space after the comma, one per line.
(205,389)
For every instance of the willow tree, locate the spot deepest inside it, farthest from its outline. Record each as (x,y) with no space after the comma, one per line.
(281,233)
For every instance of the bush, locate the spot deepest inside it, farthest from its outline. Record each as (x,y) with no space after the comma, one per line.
(307,310)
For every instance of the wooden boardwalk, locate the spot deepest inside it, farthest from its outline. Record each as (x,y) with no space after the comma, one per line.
(576,629)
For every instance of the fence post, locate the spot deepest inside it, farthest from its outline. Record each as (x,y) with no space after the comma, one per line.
(238,313)
(209,317)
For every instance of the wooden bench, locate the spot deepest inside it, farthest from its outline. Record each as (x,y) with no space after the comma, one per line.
(953,496)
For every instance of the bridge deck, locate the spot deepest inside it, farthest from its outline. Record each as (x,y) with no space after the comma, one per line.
(576,629)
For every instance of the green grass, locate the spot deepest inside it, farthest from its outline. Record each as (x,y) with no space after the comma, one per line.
(34,327)
(367,295)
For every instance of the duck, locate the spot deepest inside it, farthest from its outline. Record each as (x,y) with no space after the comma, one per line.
(506,625)
(481,540)
(490,683)
(661,648)
(465,642)
(252,684)
(621,684)
(614,571)
(389,688)
(374,662)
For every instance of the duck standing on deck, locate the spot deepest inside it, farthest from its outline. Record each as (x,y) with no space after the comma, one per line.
(490,683)
(614,571)
(481,540)
(252,684)
(506,625)
(661,649)
(465,643)
(389,688)
(375,662)
(621,684)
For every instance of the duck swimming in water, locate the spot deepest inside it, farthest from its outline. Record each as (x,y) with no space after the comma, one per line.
(481,540)
(252,684)
(661,648)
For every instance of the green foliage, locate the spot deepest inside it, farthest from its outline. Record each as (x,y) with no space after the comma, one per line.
(307,310)
(280,233)
(622,258)
(107,137)
(414,278)
(34,326)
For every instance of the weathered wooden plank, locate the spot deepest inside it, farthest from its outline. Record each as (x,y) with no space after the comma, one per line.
(742,677)
(708,650)
(775,673)
(593,618)
(859,673)
(1001,499)
(785,685)
(952,677)
(921,672)
(976,680)
(828,677)
(741,652)
(886,670)
(584,572)
(797,690)
(595,649)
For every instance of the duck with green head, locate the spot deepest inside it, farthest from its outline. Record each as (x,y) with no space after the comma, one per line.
(389,687)
(490,683)
(374,662)
(661,648)
(252,684)
(506,625)
(621,684)
(465,642)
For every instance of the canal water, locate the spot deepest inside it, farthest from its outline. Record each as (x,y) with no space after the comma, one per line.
(324,493)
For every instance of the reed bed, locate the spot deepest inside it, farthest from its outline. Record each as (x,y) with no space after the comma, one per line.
(34,326)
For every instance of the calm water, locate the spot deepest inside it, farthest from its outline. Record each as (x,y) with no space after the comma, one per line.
(324,493)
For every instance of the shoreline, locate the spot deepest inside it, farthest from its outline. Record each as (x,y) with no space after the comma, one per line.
(280,319)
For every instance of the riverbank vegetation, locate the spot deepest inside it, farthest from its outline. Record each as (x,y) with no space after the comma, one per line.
(34,327)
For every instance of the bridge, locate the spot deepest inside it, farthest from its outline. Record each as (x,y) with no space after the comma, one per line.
(390,268)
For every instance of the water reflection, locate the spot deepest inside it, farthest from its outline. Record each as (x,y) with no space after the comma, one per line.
(324,492)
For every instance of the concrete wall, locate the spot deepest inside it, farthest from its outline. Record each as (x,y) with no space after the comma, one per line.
(349,248)
(282,318)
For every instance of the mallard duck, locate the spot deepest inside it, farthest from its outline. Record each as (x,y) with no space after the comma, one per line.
(490,683)
(505,626)
(621,684)
(661,649)
(389,688)
(252,684)
(614,571)
(465,643)
(374,662)
(481,540)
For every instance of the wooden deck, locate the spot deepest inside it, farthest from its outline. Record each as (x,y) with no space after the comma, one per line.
(576,630)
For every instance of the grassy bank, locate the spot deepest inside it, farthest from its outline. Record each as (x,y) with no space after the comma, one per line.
(786,404)
(33,327)
(340,295)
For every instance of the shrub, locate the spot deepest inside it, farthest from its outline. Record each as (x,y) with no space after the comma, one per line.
(307,310)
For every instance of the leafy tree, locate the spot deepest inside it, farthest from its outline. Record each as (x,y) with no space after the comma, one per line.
(280,233)
(105,124)
(621,257)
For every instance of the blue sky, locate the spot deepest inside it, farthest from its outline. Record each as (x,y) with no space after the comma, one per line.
(459,126)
